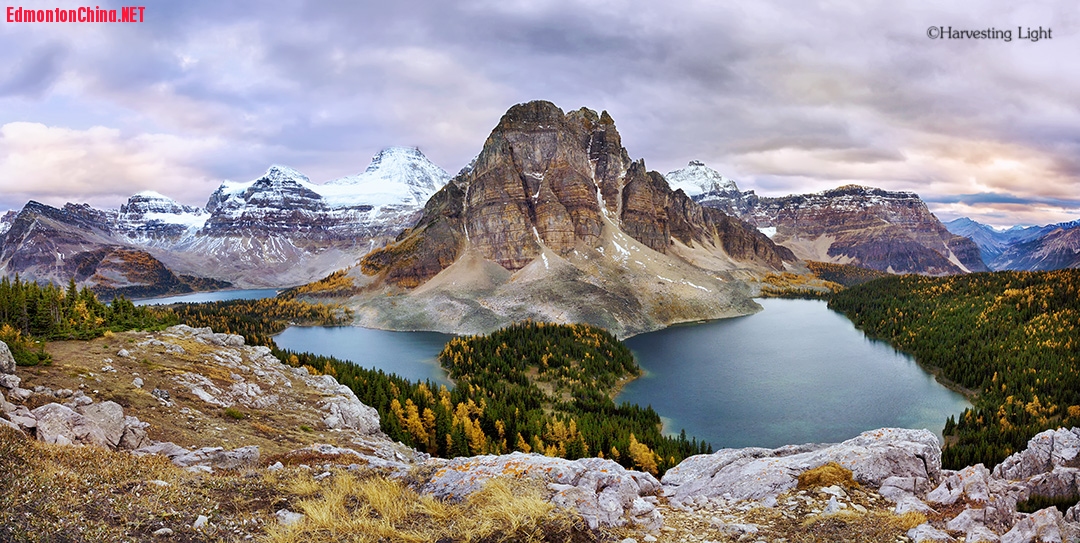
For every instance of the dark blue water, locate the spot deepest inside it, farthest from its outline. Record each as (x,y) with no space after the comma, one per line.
(793,373)
(409,354)
(216,296)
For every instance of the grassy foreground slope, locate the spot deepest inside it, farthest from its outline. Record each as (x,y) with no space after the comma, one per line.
(1011,338)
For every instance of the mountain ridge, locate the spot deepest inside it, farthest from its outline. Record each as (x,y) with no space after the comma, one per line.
(891,231)
(1030,248)
(277,230)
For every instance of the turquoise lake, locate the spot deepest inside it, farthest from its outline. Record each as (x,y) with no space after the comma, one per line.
(793,373)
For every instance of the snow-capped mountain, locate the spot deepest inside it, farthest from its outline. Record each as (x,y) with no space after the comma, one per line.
(277,230)
(874,228)
(396,176)
(6,219)
(697,179)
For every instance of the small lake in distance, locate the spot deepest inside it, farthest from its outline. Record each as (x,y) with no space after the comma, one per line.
(411,355)
(793,373)
(215,296)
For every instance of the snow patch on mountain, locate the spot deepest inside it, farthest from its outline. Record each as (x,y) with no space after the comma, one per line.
(697,179)
(396,176)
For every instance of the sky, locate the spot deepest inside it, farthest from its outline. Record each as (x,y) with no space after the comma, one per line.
(782,96)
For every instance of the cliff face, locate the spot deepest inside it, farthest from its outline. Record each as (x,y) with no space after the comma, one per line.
(555,181)
(882,230)
(576,232)
(887,231)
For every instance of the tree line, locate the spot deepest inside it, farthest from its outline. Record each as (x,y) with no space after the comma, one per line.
(32,313)
(1011,338)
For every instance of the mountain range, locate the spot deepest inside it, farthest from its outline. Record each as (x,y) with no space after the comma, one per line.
(552,220)
(277,230)
(1024,248)
(887,231)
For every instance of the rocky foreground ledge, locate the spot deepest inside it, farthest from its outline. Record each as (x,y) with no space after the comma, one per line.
(751,494)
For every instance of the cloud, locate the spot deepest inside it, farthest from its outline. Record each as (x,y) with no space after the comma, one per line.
(784,96)
(98,165)
(35,72)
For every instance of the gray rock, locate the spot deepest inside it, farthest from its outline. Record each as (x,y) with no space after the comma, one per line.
(123,353)
(8,424)
(926,532)
(61,425)
(1073,514)
(7,362)
(1043,526)
(137,382)
(164,532)
(347,412)
(201,522)
(736,530)
(19,394)
(755,474)
(601,491)
(276,466)
(896,488)
(288,518)
(981,534)
(10,381)
(219,458)
(64,393)
(972,481)
(135,435)
(966,520)
(1060,482)
(909,504)
(833,506)
(1045,451)
(22,417)
(160,394)
(109,417)
(164,448)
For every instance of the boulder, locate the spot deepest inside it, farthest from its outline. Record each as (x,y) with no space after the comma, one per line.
(167,449)
(9,381)
(347,412)
(109,418)
(601,491)
(1045,451)
(7,362)
(1043,526)
(926,532)
(219,458)
(756,474)
(135,435)
(61,425)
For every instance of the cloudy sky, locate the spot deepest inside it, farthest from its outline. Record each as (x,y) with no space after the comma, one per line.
(783,96)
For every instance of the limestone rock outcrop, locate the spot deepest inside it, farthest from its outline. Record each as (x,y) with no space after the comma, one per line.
(874,457)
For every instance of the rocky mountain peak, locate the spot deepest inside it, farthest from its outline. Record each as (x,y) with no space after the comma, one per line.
(395,176)
(697,179)
(554,201)
(148,201)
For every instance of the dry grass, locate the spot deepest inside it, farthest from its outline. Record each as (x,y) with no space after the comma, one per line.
(827,475)
(355,508)
(58,493)
(847,525)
